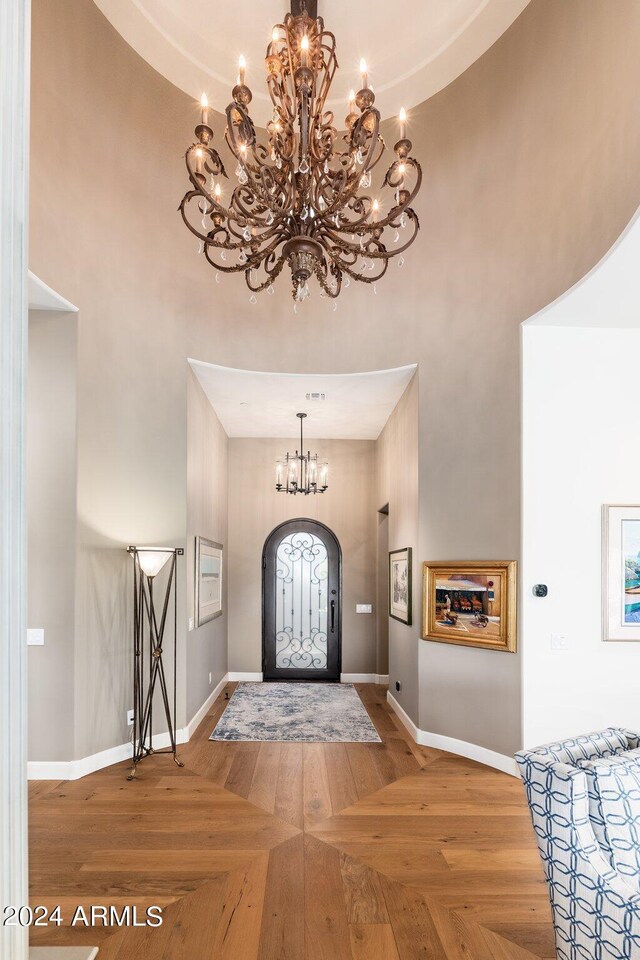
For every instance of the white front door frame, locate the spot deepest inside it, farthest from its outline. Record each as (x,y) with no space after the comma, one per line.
(15,40)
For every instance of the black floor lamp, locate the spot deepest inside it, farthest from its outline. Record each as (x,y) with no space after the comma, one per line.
(150,616)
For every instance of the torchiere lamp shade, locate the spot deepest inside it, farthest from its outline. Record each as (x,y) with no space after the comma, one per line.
(152,559)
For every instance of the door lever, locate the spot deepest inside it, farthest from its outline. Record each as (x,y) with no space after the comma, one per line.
(333,614)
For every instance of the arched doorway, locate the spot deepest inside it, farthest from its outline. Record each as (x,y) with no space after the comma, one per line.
(301,603)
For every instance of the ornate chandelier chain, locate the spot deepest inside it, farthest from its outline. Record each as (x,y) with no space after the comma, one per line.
(300,198)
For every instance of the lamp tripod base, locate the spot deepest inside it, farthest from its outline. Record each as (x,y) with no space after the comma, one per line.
(147,753)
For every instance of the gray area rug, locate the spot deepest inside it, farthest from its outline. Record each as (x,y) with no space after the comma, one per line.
(297,712)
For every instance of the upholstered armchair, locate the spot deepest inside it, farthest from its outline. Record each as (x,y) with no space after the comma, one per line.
(584,797)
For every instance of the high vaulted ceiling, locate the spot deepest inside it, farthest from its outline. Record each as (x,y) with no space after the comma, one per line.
(413,48)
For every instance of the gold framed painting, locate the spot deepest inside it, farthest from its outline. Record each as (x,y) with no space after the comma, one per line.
(472,603)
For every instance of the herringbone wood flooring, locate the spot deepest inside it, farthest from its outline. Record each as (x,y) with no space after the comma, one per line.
(273,851)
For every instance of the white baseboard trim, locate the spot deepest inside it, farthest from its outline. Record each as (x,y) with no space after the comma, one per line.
(245,677)
(195,722)
(363,678)
(75,769)
(403,717)
(63,953)
(460,747)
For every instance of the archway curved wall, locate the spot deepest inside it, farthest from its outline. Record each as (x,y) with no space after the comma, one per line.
(580,414)
(531,170)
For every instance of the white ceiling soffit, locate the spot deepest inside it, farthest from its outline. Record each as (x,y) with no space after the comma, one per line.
(413,49)
(42,297)
(250,403)
(608,296)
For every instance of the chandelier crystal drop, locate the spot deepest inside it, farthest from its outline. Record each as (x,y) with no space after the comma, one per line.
(301,472)
(303,197)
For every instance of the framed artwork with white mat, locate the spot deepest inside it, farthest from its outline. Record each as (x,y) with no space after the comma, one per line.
(208,580)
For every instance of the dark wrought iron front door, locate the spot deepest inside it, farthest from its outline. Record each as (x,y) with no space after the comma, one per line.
(301,595)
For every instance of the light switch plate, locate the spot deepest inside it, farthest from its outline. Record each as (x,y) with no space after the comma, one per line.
(35,637)
(559,641)
(364,608)
(190,623)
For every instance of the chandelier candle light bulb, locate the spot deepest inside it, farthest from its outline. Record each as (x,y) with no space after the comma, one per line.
(364,75)
(299,198)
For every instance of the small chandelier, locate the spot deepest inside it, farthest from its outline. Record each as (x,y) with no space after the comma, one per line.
(303,197)
(301,472)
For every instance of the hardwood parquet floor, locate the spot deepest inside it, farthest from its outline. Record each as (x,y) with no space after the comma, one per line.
(285,851)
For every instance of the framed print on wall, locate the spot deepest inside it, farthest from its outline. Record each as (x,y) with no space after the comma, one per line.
(400,585)
(208,580)
(620,572)
(471,603)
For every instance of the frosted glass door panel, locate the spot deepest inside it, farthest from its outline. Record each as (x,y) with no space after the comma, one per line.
(301,602)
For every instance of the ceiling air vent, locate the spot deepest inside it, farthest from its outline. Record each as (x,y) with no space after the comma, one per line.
(316,396)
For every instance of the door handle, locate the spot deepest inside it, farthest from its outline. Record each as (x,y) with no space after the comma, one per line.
(333,614)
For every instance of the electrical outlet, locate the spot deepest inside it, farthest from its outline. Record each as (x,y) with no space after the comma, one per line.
(129,718)
(398,686)
(559,641)
(209,679)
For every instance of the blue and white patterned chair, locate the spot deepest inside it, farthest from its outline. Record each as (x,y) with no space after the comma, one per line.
(584,797)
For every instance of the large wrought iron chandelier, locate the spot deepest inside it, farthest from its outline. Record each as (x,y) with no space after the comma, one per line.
(304,196)
(301,472)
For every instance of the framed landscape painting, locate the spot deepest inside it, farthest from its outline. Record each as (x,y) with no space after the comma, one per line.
(208,580)
(400,585)
(620,572)
(471,603)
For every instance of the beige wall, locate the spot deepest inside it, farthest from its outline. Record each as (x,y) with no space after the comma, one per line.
(347,508)
(207,513)
(532,168)
(51,514)
(382,595)
(397,485)
(104,232)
